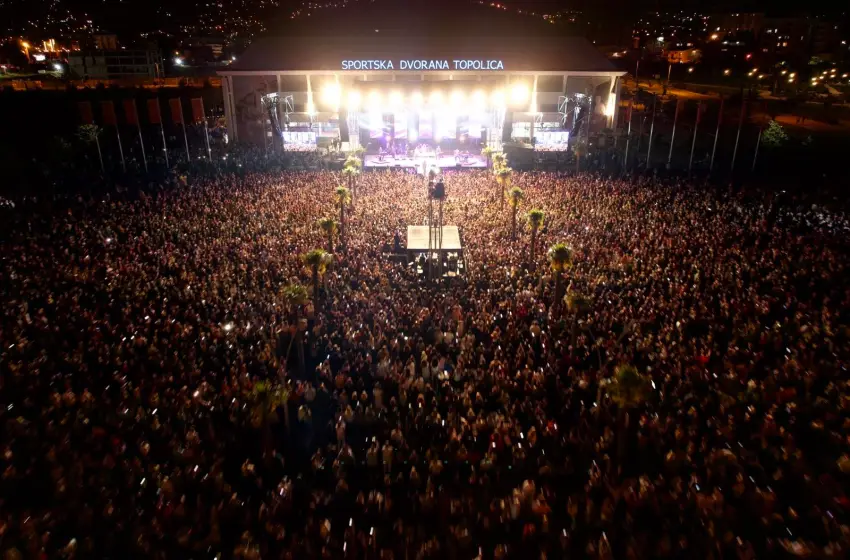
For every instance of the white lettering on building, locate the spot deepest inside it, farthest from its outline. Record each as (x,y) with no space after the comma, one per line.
(423,64)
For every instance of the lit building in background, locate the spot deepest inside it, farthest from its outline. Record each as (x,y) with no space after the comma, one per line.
(457,93)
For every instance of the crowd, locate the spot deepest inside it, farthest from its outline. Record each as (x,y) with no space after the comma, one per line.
(470,419)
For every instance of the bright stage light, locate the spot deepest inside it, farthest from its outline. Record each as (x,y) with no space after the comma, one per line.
(396,99)
(498,98)
(331,94)
(457,98)
(519,93)
(416,99)
(311,107)
(353,100)
(479,98)
(374,98)
(436,98)
(611,106)
(413,137)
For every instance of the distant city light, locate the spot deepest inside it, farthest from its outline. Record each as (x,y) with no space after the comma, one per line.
(39,57)
(727,72)
(57,67)
(178,61)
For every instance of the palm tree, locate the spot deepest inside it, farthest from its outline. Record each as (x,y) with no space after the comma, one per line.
(628,390)
(329,227)
(350,173)
(560,259)
(90,133)
(535,220)
(296,296)
(343,197)
(515,196)
(266,397)
(317,260)
(353,161)
(503,178)
(578,305)
(487,152)
(499,161)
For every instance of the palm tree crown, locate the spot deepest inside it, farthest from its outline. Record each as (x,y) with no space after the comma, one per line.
(560,257)
(629,388)
(515,196)
(353,162)
(343,195)
(499,160)
(295,294)
(535,218)
(88,132)
(318,258)
(328,225)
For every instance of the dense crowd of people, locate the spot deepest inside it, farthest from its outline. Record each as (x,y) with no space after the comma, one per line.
(411,419)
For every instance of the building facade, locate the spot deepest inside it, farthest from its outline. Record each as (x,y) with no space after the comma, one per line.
(368,92)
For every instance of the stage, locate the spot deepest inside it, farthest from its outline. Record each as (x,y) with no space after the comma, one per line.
(451,255)
(417,238)
(424,162)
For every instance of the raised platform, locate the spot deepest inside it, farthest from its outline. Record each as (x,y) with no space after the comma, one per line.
(420,163)
(417,238)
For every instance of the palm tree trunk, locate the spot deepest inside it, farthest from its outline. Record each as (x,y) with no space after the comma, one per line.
(513,224)
(574,330)
(622,435)
(301,365)
(315,287)
(99,156)
(330,242)
(533,243)
(342,224)
(286,416)
(555,304)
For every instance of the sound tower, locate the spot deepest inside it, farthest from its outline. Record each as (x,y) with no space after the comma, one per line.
(508,127)
(343,125)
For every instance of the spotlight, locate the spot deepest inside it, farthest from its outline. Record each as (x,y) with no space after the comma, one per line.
(457,98)
(479,98)
(396,99)
(331,94)
(353,100)
(498,98)
(519,93)
(178,61)
(374,98)
(436,98)
(416,99)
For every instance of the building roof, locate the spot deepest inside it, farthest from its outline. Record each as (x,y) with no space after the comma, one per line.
(517,54)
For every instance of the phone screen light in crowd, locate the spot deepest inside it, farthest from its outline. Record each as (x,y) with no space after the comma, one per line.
(228,327)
